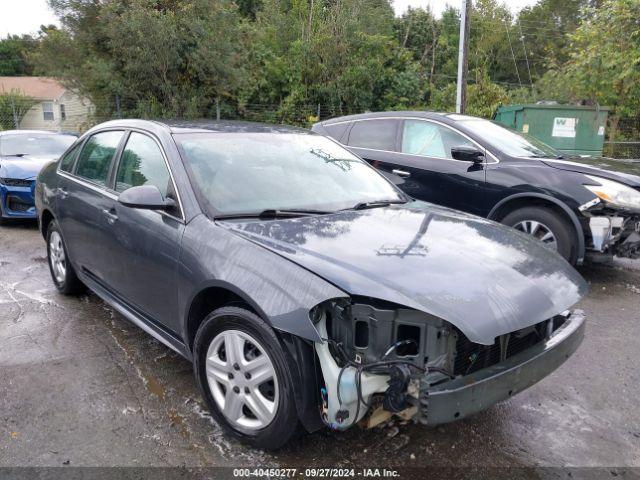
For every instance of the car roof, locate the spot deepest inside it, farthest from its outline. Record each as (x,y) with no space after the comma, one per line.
(29,132)
(400,113)
(203,126)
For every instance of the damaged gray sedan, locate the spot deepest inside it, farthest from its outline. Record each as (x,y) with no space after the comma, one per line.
(306,289)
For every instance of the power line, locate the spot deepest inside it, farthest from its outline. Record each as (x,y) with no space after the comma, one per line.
(524,47)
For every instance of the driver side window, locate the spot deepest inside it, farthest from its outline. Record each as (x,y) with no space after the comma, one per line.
(421,137)
(142,163)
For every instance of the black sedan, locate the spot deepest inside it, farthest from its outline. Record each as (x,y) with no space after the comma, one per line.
(305,287)
(577,206)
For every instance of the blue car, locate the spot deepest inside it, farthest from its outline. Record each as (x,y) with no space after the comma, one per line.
(22,154)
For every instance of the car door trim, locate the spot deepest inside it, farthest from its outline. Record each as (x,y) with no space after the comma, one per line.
(495,159)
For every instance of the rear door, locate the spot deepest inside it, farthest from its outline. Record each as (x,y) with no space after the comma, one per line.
(147,242)
(435,176)
(83,205)
(376,141)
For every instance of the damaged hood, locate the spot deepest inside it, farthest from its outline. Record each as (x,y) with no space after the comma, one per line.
(624,171)
(484,278)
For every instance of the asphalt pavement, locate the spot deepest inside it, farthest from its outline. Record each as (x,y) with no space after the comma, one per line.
(81,386)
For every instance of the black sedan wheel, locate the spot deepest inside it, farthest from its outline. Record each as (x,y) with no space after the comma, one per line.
(244,377)
(548,227)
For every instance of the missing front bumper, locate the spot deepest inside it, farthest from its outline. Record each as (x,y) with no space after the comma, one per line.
(475,392)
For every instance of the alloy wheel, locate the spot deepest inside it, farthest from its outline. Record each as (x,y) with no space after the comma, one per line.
(539,231)
(57,257)
(242,380)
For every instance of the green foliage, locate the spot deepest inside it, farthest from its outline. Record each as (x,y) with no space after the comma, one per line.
(281,60)
(13,107)
(159,57)
(604,63)
(14,51)
(484,97)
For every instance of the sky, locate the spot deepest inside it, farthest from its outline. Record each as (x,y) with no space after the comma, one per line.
(25,16)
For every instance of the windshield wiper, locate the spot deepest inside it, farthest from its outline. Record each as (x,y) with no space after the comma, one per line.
(375,204)
(273,213)
(15,154)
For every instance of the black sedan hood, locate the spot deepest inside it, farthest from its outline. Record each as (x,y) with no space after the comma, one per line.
(484,278)
(624,171)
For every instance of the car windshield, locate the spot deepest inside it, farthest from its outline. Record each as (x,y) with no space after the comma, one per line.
(507,140)
(35,144)
(246,173)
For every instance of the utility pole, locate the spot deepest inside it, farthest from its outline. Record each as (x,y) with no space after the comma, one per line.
(463,50)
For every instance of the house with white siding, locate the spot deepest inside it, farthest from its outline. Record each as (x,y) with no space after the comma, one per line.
(56,109)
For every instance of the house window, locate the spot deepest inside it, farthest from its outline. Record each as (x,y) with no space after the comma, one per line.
(63,113)
(47,110)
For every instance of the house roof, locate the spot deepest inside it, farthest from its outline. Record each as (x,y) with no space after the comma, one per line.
(42,88)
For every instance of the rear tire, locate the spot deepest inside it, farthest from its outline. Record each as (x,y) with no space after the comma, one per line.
(249,389)
(548,226)
(62,272)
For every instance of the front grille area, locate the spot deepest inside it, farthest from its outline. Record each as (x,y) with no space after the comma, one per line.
(16,204)
(471,357)
(16,182)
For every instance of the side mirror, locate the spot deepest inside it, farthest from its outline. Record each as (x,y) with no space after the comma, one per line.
(467,154)
(147,197)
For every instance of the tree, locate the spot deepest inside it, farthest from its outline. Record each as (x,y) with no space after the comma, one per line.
(604,63)
(14,51)
(546,27)
(157,57)
(340,54)
(13,107)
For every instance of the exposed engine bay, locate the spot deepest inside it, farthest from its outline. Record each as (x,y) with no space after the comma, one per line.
(378,359)
(613,231)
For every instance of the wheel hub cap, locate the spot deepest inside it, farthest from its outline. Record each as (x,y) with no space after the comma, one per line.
(242,380)
(57,257)
(539,231)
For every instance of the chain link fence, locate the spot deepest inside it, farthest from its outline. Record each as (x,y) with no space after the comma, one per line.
(623,135)
(623,139)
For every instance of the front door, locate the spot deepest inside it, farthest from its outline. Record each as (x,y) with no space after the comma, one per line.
(423,167)
(425,150)
(148,241)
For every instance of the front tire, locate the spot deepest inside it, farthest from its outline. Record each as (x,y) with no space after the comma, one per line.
(547,226)
(244,377)
(62,272)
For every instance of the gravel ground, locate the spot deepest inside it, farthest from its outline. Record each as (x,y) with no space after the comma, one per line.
(81,386)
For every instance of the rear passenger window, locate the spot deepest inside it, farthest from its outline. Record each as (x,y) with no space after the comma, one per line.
(95,158)
(374,134)
(142,163)
(66,162)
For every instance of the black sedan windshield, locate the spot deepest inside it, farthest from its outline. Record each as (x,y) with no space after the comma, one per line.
(252,172)
(507,140)
(35,144)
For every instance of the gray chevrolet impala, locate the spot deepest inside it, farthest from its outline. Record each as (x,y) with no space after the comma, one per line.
(307,290)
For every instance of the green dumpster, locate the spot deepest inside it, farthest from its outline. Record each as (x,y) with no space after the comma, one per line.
(572,129)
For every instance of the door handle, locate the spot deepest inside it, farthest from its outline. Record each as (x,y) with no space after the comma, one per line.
(63,192)
(401,173)
(111,216)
